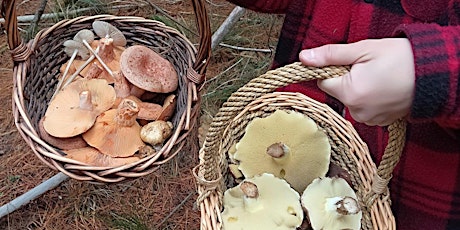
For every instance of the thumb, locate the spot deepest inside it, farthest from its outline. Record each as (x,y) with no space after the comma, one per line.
(334,86)
(333,54)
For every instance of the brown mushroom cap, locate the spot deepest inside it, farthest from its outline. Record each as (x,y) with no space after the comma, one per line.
(116,132)
(147,70)
(75,108)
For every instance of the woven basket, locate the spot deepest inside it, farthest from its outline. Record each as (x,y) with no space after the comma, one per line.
(258,99)
(36,67)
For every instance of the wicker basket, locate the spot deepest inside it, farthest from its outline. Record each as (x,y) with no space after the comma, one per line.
(258,99)
(37,63)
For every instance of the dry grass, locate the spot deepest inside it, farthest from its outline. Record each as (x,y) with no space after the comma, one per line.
(162,200)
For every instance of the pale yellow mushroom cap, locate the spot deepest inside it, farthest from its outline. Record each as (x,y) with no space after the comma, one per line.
(322,199)
(277,206)
(308,148)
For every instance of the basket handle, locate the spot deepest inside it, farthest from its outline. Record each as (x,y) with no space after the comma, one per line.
(21,52)
(204,29)
(283,76)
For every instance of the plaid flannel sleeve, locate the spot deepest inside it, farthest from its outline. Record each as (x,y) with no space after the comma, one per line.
(437,68)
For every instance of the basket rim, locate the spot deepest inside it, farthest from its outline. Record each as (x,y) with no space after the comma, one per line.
(54,158)
(210,187)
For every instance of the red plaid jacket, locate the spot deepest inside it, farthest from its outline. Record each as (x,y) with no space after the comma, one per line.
(425,187)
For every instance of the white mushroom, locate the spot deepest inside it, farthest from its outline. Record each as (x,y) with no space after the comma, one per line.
(107,30)
(287,145)
(262,202)
(86,37)
(332,204)
(156,132)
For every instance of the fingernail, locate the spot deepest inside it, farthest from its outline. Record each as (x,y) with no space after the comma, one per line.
(308,54)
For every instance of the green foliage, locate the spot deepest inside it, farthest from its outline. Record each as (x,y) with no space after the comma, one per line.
(127,223)
(72,8)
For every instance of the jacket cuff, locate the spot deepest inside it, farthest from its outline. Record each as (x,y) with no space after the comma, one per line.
(434,71)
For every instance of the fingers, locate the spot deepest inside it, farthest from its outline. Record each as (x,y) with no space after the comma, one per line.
(333,54)
(336,87)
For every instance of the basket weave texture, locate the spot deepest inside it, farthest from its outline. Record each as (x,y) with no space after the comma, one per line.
(258,99)
(37,64)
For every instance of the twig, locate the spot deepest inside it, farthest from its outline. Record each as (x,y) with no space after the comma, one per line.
(246,49)
(223,29)
(28,18)
(175,209)
(32,194)
(37,17)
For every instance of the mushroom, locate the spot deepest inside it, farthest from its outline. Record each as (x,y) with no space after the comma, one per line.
(121,85)
(107,30)
(156,132)
(61,143)
(72,49)
(86,36)
(262,202)
(147,111)
(168,108)
(116,131)
(93,157)
(147,70)
(287,144)
(75,108)
(331,204)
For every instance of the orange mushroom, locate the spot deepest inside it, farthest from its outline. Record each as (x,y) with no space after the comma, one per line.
(94,157)
(116,131)
(61,143)
(75,108)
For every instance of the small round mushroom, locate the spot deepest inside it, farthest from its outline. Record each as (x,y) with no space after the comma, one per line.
(75,108)
(94,157)
(156,132)
(147,70)
(288,145)
(331,204)
(262,202)
(116,132)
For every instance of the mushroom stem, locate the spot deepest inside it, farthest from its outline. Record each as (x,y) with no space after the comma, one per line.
(127,113)
(278,151)
(342,205)
(98,58)
(121,85)
(85,100)
(251,193)
(64,75)
(107,52)
(74,75)
(249,189)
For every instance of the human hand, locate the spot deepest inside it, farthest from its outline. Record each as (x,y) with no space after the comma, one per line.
(380,85)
